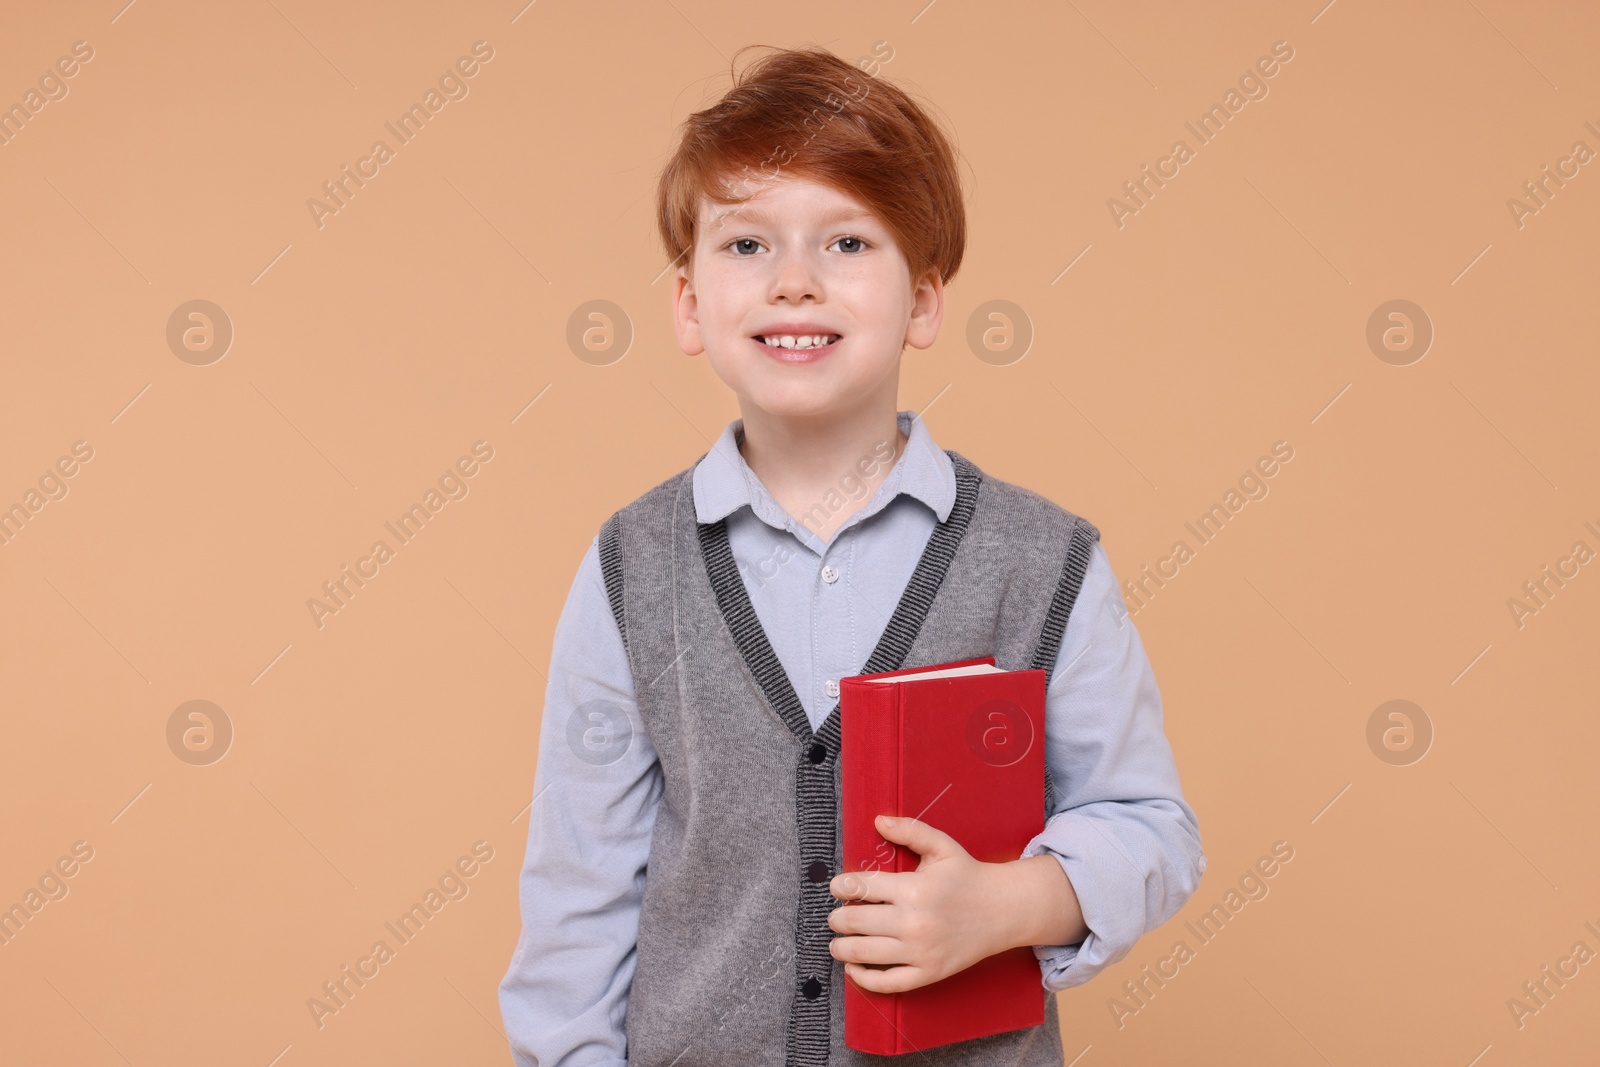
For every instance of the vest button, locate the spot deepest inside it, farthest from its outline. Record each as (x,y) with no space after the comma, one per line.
(812,989)
(818,871)
(818,753)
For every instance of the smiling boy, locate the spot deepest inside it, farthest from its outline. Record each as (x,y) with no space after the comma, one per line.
(681,889)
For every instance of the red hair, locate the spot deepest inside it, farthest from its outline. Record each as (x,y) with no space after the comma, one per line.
(808,113)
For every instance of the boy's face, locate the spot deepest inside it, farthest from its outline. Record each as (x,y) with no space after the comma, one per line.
(804,259)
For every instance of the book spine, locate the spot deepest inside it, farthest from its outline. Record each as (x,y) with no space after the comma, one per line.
(871,754)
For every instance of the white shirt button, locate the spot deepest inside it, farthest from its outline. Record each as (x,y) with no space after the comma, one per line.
(833,687)
(830,574)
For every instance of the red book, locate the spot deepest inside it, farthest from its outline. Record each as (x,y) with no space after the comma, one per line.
(959,746)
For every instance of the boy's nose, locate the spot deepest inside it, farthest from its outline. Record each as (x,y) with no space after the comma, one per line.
(797,277)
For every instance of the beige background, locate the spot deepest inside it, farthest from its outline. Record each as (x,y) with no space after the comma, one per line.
(1229,313)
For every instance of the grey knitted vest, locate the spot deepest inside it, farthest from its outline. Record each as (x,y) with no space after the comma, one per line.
(733,967)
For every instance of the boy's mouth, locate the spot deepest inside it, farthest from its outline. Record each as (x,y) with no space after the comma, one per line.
(797,348)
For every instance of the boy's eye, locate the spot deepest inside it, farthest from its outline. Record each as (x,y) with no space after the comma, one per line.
(744,241)
(860,244)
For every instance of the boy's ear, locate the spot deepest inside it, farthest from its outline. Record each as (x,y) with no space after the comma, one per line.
(927,310)
(686,313)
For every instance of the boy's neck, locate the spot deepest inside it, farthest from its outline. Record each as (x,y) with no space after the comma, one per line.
(814,469)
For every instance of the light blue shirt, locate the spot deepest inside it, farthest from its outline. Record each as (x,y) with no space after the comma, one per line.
(1122,831)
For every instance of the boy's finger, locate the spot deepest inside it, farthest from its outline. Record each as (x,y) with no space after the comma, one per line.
(865,885)
(885,979)
(920,837)
(876,921)
(878,951)
(849,886)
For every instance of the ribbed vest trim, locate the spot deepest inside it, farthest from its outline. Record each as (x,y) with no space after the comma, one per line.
(1079,547)
(611,569)
(898,634)
(809,1036)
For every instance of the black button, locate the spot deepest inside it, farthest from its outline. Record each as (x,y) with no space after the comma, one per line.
(818,871)
(818,753)
(812,989)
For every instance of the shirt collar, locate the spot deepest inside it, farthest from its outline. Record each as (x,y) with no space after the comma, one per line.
(723,482)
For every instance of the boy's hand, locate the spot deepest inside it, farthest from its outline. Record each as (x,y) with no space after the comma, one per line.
(927,924)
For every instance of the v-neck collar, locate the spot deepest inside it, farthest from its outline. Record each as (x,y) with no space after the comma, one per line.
(898,635)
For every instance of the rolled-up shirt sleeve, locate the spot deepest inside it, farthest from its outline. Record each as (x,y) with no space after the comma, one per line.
(596,788)
(1121,829)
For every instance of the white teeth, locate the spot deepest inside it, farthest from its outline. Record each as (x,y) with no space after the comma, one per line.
(802,341)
